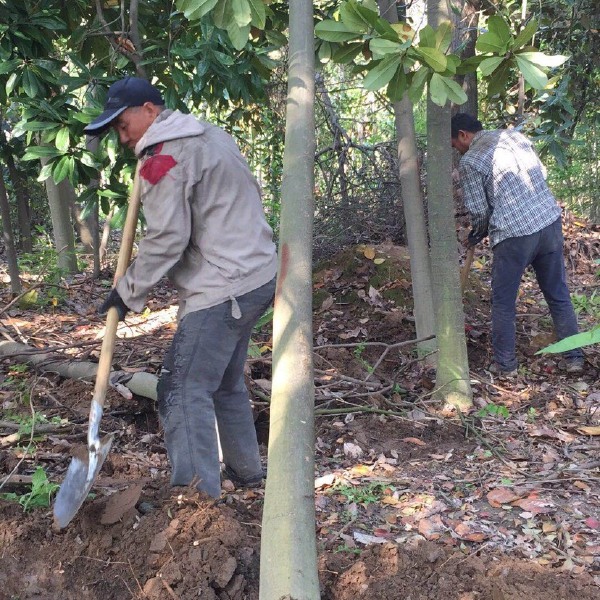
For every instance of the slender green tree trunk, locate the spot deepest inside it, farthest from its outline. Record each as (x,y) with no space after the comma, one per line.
(288,563)
(91,144)
(9,242)
(466,21)
(23,210)
(59,198)
(414,211)
(452,376)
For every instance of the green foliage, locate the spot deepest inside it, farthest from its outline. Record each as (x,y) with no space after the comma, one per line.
(360,494)
(579,340)
(40,494)
(493,410)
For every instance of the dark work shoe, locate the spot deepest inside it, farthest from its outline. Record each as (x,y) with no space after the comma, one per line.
(501,373)
(239,482)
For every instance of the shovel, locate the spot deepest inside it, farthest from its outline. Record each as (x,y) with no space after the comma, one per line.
(84,468)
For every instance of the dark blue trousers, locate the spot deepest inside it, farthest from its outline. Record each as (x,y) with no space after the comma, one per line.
(202,380)
(542,250)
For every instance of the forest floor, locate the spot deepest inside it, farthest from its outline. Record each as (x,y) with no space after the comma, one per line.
(412,501)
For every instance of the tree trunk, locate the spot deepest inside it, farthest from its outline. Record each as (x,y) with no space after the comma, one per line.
(288,562)
(452,376)
(23,210)
(414,211)
(91,144)
(465,38)
(9,242)
(60,197)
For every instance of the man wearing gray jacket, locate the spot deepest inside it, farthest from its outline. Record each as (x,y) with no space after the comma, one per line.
(207,232)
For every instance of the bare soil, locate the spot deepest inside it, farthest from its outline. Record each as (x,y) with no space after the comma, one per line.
(412,502)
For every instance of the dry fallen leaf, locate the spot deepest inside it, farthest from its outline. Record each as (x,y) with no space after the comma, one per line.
(595,430)
(470,532)
(501,496)
(535,505)
(432,528)
(369,252)
(412,440)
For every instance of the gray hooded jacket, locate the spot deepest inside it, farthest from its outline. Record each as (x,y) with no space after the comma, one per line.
(206,228)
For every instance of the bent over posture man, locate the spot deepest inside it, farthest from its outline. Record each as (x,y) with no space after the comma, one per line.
(506,195)
(207,232)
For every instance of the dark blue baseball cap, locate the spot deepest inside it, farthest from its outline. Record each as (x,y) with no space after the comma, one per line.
(123,94)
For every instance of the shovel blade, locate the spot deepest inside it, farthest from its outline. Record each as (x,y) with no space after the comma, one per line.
(78,481)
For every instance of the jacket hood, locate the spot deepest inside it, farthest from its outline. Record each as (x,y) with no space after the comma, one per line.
(170,125)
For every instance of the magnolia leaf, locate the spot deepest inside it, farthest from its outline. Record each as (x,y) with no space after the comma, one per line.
(8,66)
(490,42)
(453,62)
(382,73)
(195,9)
(589,430)
(355,18)
(238,35)
(63,169)
(442,88)
(45,172)
(498,26)
(242,15)
(30,83)
(347,53)
(259,13)
(443,36)
(489,65)
(544,60)
(397,86)
(34,152)
(380,47)
(579,340)
(62,139)
(404,30)
(533,75)
(223,14)
(433,57)
(417,84)
(498,82)
(427,37)
(334,31)
(525,35)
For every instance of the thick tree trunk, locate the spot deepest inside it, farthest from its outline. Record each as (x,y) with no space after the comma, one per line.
(91,144)
(60,197)
(288,562)
(452,376)
(9,242)
(414,211)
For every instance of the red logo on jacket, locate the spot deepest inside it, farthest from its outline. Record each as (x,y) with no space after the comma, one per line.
(157,166)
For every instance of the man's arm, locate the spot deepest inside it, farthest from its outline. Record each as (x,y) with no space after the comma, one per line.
(476,202)
(169,221)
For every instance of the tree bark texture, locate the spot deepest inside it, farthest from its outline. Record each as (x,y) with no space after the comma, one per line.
(452,376)
(23,209)
(9,242)
(414,210)
(59,199)
(288,563)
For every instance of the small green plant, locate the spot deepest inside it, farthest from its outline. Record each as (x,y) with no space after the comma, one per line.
(589,305)
(367,494)
(348,549)
(15,379)
(27,424)
(255,349)
(40,494)
(531,414)
(358,352)
(493,410)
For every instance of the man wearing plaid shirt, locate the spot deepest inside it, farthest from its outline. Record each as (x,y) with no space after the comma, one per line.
(506,195)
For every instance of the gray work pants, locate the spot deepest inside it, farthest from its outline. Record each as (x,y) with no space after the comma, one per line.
(202,379)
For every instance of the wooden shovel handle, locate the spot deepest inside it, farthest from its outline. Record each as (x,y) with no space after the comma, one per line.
(464,272)
(112,318)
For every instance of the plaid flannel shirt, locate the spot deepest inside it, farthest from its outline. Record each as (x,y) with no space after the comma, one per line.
(504,187)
